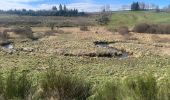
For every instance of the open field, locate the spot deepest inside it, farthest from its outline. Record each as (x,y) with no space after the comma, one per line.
(97,56)
(128,18)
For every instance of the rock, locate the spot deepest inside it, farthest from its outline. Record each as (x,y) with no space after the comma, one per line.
(28,49)
(8,51)
(51,51)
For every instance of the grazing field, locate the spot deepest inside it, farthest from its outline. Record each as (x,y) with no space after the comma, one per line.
(93,63)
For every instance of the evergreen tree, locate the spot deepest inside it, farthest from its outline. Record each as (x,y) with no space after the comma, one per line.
(135,6)
(54,8)
(65,8)
(60,8)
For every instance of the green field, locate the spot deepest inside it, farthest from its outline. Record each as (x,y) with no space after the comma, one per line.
(130,18)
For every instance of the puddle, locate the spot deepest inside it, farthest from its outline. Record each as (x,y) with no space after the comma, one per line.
(7,45)
(120,54)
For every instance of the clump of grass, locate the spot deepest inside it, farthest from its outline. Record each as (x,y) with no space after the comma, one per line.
(84,28)
(17,86)
(138,88)
(1,86)
(143,88)
(24,32)
(110,91)
(64,87)
(123,30)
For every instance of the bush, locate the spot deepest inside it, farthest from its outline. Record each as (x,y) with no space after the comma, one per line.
(123,30)
(52,25)
(24,32)
(84,28)
(4,36)
(152,28)
(103,20)
(141,28)
(64,87)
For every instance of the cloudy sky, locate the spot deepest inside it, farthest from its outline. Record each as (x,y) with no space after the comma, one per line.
(83,5)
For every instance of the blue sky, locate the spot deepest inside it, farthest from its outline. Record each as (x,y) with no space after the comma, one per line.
(83,5)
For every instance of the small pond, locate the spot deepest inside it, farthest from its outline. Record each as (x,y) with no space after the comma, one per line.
(117,53)
(7,45)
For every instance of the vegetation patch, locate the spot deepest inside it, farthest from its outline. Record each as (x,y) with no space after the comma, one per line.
(84,28)
(152,28)
(134,88)
(123,30)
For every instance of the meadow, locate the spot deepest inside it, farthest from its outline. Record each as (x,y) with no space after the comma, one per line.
(98,63)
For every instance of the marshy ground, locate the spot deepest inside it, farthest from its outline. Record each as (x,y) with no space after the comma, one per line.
(72,51)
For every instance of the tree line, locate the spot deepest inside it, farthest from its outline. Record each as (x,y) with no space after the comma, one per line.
(62,10)
(136,6)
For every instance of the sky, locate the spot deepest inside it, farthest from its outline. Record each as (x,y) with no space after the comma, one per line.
(82,5)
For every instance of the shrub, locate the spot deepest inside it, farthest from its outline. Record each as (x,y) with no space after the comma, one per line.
(141,28)
(123,30)
(24,32)
(64,87)
(52,25)
(4,36)
(164,29)
(103,20)
(84,28)
(152,28)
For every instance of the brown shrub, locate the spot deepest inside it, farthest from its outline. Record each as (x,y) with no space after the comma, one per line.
(141,28)
(152,28)
(4,36)
(123,30)
(84,28)
(164,29)
(23,32)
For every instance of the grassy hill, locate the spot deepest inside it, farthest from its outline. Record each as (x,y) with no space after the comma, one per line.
(130,18)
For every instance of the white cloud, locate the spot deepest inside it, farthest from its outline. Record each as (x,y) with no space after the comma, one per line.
(21,1)
(86,5)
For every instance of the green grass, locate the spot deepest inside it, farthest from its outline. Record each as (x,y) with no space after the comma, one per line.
(61,86)
(130,18)
(145,87)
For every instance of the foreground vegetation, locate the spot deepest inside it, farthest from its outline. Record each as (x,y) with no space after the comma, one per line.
(60,86)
